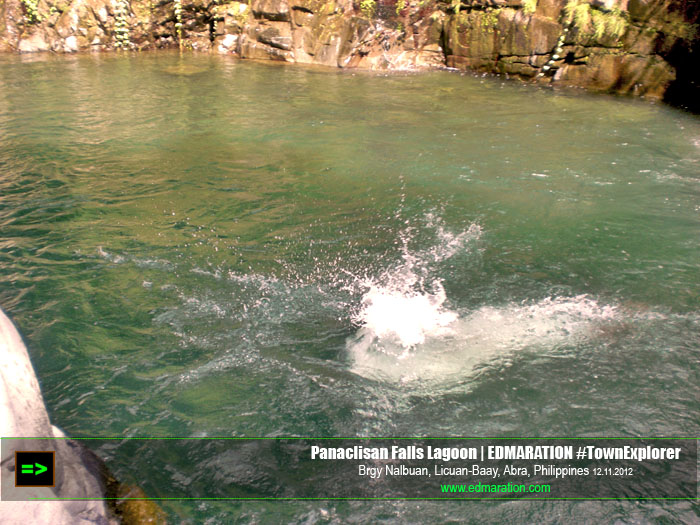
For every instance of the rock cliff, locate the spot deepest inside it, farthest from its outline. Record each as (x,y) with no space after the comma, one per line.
(642,47)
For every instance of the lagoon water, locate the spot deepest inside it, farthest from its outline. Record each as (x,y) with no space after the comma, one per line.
(199,246)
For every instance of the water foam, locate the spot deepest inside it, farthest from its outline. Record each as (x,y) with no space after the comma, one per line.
(407,304)
(406,317)
(475,337)
(408,331)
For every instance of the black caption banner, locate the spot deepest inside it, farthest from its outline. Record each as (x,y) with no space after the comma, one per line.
(362,468)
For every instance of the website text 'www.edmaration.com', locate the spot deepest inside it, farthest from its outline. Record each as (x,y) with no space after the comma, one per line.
(495,488)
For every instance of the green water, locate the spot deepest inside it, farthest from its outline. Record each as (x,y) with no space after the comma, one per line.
(196,246)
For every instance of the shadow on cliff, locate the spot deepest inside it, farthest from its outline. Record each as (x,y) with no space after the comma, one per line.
(684,91)
(684,56)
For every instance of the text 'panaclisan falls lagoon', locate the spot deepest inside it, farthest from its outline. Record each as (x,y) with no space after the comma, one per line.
(406,289)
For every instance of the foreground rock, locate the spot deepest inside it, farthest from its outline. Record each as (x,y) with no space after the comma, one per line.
(23,414)
(641,47)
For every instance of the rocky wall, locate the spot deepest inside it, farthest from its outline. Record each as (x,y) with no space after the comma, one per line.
(642,47)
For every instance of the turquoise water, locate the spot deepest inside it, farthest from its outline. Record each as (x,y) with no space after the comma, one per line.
(197,246)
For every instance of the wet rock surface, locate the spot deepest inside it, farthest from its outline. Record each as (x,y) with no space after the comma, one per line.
(23,414)
(640,47)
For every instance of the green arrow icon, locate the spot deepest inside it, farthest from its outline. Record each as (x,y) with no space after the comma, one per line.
(29,469)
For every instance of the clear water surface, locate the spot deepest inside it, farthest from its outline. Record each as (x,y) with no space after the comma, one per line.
(197,246)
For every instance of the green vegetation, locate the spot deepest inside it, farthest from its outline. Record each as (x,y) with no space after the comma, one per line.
(368,7)
(529,6)
(567,13)
(121,26)
(31,8)
(178,20)
(594,23)
(677,27)
(400,6)
(241,12)
(612,24)
(582,16)
(577,14)
(489,19)
(33,15)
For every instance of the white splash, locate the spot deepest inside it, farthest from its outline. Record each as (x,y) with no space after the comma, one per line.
(450,244)
(408,330)
(404,306)
(405,317)
(473,338)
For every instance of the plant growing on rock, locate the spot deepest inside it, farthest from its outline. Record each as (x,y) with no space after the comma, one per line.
(368,7)
(31,8)
(681,29)
(121,26)
(400,6)
(582,16)
(178,20)
(241,15)
(593,22)
(489,19)
(529,6)
(612,24)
